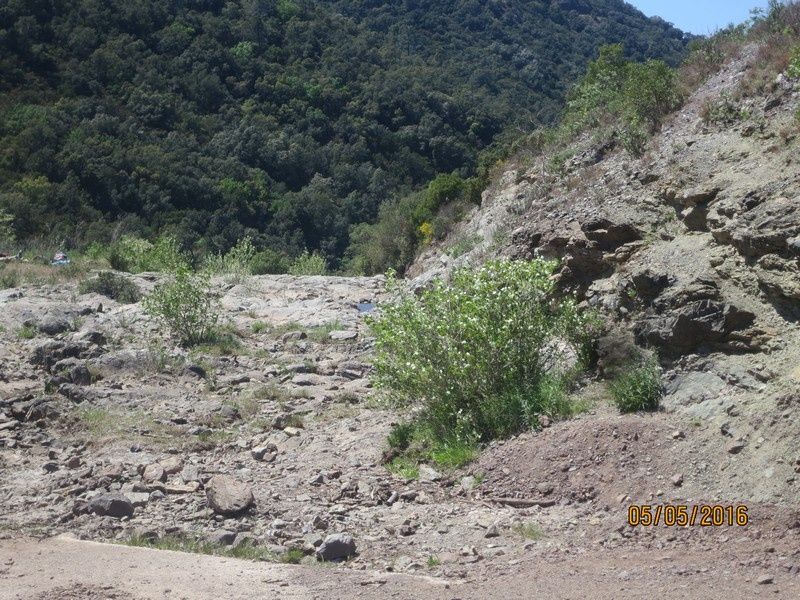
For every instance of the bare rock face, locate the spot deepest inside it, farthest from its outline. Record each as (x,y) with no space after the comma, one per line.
(609,235)
(52,351)
(681,316)
(700,323)
(582,259)
(767,228)
(779,277)
(228,496)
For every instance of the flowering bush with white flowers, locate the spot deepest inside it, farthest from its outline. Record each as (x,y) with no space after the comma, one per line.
(474,357)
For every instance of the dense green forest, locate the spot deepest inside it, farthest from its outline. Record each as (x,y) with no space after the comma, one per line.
(290,121)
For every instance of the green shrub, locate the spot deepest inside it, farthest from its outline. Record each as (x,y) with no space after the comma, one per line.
(454,456)
(6,228)
(445,188)
(464,245)
(529,531)
(309,264)
(186,306)
(389,243)
(404,467)
(238,262)
(416,220)
(650,92)
(126,253)
(722,112)
(270,262)
(473,356)
(794,64)
(632,98)
(401,436)
(113,286)
(8,278)
(637,388)
(136,255)
(27,332)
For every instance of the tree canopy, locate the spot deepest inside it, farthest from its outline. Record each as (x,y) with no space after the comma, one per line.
(291,121)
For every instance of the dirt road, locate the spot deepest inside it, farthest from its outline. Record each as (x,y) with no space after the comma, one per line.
(66,569)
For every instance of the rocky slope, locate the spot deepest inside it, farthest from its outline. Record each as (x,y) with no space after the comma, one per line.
(107,431)
(691,251)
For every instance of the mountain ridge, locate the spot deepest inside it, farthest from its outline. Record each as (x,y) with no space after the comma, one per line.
(287,121)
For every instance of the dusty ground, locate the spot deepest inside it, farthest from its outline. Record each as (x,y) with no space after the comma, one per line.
(144,407)
(65,570)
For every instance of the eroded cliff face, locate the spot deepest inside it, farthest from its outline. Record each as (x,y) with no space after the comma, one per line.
(691,251)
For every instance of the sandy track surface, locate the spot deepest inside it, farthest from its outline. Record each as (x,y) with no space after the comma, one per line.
(64,568)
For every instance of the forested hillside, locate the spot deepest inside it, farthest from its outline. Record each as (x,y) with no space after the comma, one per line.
(290,121)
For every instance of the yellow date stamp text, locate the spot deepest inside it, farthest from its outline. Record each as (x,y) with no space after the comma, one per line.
(684,515)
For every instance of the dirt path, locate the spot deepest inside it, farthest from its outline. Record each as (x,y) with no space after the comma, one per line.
(65,569)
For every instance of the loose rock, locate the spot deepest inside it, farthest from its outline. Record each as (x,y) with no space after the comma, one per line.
(228,496)
(111,504)
(336,547)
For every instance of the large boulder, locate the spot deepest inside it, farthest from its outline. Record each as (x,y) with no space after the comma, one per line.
(111,504)
(649,284)
(51,325)
(337,547)
(53,351)
(582,260)
(28,408)
(228,496)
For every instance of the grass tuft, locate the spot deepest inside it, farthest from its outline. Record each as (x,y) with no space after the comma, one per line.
(245,551)
(638,388)
(529,531)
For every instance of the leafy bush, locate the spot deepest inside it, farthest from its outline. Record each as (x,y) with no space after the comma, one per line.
(136,255)
(630,97)
(416,220)
(270,262)
(8,278)
(474,356)
(637,388)
(239,261)
(722,112)
(113,286)
(309,264)
(390,243)
(6,227)
(708,54)
(186,306)
(794,64)
(401,436)
(464,245)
